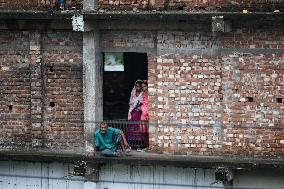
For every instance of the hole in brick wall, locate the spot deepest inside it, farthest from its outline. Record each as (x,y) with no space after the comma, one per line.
(10,107)
(250,99)
(51,69)
(279,100)
(52,104)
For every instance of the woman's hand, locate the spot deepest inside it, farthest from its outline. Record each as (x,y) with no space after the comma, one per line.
(129,116)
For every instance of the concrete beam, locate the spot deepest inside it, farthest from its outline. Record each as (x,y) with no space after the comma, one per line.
(181,25)
(93,81)
(34,25)
(146,158)
(131,49)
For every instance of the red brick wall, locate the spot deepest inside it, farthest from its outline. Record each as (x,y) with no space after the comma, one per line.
(64,87)
(14,88)
(200,91)
(254,92)
(195,5)
(187,104)
(38,4)
(122,39)
(204,108)
(253,38)
(209,95)
(30,84)
(253,83)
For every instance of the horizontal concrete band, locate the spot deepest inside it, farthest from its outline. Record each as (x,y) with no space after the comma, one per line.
(131,15)
(145,159)
(188,51)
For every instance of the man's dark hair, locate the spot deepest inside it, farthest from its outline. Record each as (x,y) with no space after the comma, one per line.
(103,123)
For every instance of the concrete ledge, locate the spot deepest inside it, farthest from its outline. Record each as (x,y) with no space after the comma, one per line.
(145,158)
(131,15)
(35,15)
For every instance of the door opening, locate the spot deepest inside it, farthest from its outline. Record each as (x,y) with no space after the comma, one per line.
(121,72)
(118,84)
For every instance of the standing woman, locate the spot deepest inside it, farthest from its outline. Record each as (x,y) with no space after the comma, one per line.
(134,115)
(135,102)
(144,126)
(144,108)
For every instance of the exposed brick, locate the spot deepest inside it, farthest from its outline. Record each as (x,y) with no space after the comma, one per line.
(27,87)
(200,103)
(186,5)
(194,5)
(36,4)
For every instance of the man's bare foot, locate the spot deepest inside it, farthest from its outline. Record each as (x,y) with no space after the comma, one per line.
(128,149)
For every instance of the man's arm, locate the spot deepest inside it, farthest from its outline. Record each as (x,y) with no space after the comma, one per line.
(114,131)
(125,143)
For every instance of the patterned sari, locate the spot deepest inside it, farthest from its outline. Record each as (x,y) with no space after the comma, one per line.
(135,108)
(144,108)
(144,126)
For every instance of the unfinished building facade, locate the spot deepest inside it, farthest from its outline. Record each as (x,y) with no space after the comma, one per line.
(215,81)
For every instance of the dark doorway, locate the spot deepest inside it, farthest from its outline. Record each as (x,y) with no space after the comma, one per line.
(118,85)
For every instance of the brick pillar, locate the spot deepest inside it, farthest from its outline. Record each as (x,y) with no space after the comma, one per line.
(153,98)
(93,83)
(36,86)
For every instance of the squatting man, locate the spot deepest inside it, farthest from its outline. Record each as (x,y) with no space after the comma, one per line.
(108,139)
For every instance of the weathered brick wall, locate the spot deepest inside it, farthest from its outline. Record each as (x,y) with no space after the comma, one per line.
(187,110)
(203,42)
(14,88)
(253,91)
(219,95)
(195,5)
(209,95)
(192,5)
(128,39)
(41,90)
(36,4)
(62,56)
